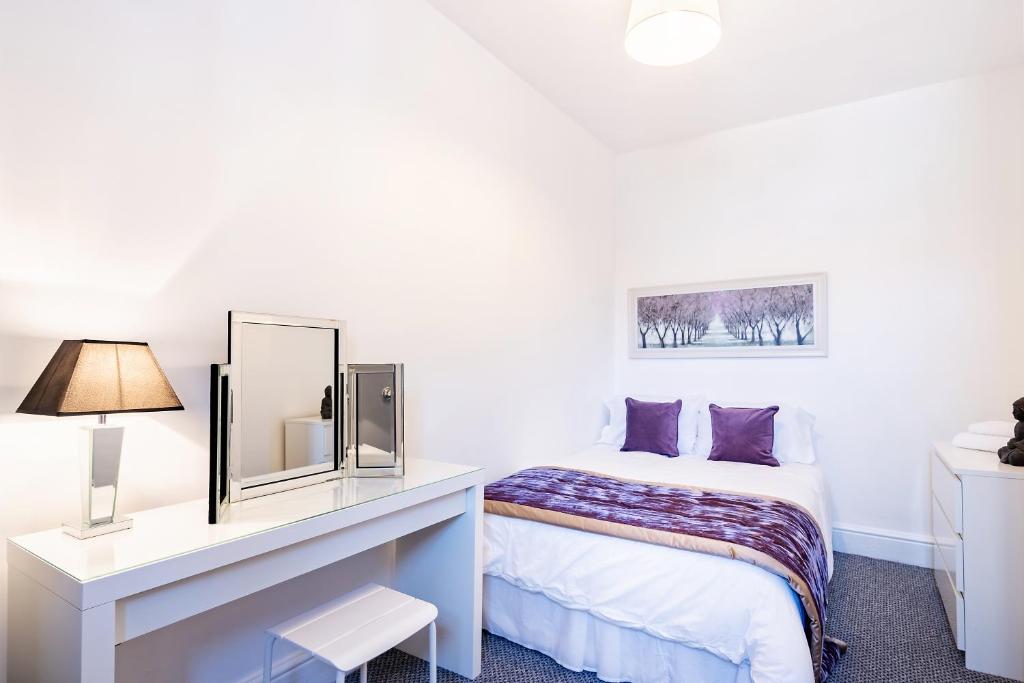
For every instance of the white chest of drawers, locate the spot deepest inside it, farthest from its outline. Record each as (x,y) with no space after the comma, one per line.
(308,441)
(978,528)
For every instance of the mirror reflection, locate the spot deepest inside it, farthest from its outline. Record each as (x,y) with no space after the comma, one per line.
(287,378)
(375,419)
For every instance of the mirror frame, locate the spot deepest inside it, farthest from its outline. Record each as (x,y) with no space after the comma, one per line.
(238,489)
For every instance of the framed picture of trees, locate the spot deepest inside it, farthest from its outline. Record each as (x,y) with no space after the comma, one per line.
(776,316)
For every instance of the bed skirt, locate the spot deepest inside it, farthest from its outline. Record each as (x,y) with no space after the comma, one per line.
(582,642)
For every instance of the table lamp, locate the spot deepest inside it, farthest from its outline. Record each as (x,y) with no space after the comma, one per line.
(90,377)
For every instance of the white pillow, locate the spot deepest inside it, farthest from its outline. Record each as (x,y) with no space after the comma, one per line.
(614,433)
(702,446)
(795,436)
(794,432)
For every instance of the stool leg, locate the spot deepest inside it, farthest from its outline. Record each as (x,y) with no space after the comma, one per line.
(268,658)
(340,677)
(363,673)
(433,653)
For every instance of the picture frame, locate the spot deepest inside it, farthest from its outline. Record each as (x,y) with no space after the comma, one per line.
(769,317)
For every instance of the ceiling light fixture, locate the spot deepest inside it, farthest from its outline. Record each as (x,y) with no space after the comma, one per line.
(672,32)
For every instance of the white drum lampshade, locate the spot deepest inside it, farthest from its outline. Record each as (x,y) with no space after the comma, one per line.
(672,32)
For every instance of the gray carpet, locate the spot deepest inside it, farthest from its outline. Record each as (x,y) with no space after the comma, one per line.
(888,613)
(891,617)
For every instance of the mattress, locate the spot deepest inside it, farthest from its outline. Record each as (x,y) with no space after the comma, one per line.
(735,611)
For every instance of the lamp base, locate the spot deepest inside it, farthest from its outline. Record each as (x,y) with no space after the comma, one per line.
(83,531)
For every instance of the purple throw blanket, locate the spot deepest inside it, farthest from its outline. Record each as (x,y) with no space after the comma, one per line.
(775,535)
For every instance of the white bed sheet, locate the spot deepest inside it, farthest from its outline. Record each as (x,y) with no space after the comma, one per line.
(733,610)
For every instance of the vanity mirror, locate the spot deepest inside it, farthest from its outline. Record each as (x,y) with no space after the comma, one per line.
(286,411)
(275,422)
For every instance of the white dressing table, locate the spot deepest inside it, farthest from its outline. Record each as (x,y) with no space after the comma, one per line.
(71,602)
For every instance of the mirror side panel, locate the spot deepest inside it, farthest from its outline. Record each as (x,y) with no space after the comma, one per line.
(376,420)
(220,418)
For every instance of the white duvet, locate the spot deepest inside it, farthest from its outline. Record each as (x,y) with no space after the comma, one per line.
(732,609)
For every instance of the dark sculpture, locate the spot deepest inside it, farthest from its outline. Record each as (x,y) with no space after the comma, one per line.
(327,405)
(1013,452)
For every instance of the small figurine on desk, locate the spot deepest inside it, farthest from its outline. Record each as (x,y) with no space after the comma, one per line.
(326,405)
(1013,452)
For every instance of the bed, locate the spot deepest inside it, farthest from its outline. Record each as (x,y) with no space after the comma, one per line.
(636,611)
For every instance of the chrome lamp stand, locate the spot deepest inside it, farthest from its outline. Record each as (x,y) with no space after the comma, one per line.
(101,464)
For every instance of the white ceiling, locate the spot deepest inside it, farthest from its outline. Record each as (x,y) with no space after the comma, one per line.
(776,58)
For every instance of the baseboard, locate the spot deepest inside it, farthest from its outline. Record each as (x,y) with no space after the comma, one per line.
(294,667)
(883,544)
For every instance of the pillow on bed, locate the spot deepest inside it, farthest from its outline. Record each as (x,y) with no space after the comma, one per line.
(794,433)
(652,427)
(743,435)
(614,433)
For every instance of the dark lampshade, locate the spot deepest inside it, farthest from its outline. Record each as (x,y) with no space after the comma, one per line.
(89,377)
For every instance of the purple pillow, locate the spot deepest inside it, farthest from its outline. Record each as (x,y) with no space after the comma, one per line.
(743,435)
(652,427)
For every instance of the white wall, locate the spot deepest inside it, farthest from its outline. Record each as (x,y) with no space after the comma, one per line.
(162,163)
(914,205)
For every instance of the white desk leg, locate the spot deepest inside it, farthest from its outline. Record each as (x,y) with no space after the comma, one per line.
(443,564)
(433,652)
(49,639)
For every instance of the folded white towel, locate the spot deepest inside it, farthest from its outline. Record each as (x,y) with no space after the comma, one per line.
(979,442)
(994,428)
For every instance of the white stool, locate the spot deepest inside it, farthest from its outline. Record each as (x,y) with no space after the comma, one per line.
(349,631)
